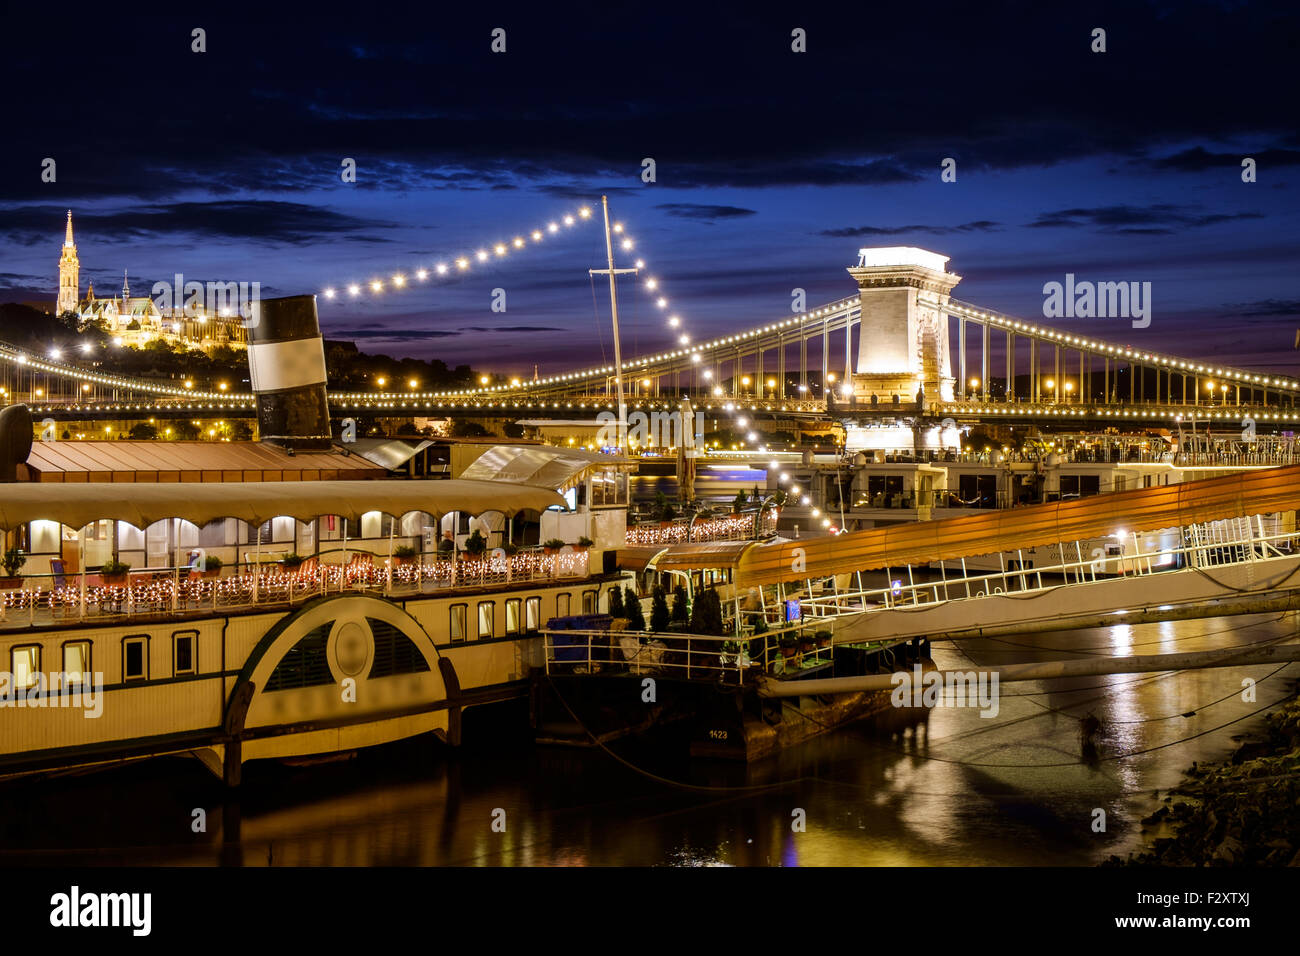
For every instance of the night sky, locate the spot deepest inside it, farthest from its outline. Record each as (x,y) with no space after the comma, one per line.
(773,167)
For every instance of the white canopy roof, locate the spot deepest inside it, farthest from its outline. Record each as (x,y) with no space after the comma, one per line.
(541,465)
(142,503)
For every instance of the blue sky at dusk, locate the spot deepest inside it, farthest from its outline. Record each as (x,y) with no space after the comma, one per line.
(773,167)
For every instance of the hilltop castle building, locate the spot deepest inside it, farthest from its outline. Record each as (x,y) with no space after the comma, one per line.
(137,320)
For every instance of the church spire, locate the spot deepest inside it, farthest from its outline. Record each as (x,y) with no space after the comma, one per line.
(126,288)
(69,273)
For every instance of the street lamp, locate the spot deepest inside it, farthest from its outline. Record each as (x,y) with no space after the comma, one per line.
(974,386)
(1069,387)
(1050,385)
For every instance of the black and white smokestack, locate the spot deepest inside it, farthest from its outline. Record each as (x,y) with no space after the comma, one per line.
(286,365)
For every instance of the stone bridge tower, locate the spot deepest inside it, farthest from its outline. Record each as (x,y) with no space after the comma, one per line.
(904,335)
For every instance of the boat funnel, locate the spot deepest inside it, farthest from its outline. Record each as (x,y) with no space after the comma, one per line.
(15,440)
(286,365)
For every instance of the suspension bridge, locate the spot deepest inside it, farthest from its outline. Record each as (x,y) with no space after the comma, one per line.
(899,349)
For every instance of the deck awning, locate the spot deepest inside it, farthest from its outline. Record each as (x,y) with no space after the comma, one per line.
(683,557)
(388,453)
(1264,491)
(141,504)
(558,468)
(189,461)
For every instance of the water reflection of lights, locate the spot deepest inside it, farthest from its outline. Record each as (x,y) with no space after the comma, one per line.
(692,856)
(1121,639)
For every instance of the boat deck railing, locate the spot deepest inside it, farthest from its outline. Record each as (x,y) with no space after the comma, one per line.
(803,646)
(705,527)
(46,599)
(1203,546)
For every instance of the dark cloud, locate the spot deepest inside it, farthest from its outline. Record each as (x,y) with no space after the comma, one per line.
(249,220)
(278,100)
(850,232)
(703,211)
(1266,307)
(416,334)
(1157,219)
(1197,159)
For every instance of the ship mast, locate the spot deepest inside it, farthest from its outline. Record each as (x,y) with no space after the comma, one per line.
(613,306)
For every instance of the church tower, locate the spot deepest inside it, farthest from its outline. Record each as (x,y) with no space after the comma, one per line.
(69,274)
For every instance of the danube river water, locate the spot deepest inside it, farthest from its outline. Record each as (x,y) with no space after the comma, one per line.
(955,789)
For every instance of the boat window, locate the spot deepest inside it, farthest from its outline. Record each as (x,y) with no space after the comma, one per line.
(184,652)
(589,602)
(25,664)
(135,658)
(486,609)
(304,664)
(459,613)
(562,605)
(512,615)
(533,613)
(395,653)
(76,662)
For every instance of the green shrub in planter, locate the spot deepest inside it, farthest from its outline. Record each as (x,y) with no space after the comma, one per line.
(632,611)
(476,545)
(13,562)
(659,616)
(404,552)
(706,614)
(681,605)
(114,572)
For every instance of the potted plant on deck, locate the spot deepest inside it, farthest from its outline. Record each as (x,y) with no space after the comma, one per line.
(403,554)
(823,638)
(13,563)
(292,561)
(583,543)
(211,566)
(789,646)
(552,546)
(738,503)
(114,572)
(476,546)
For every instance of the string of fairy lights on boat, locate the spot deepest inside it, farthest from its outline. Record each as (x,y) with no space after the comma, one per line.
(271,584)
(460,264)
